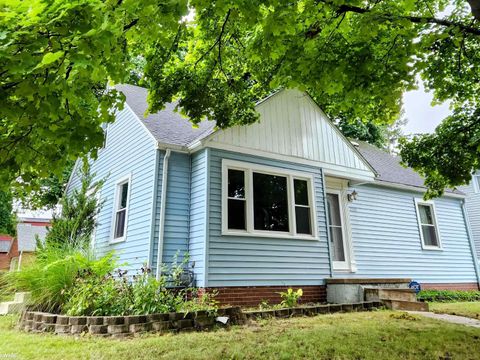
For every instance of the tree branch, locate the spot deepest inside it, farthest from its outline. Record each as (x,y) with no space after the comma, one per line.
(344,8)
(130,25)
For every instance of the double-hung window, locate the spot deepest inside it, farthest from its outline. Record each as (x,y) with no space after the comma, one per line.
(427,224)
(264,201)
(120,220)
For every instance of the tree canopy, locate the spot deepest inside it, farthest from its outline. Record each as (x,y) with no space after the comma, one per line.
(355,57)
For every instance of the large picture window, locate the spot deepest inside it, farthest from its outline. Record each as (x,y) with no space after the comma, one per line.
(264,201)
(122,194)
(427,224)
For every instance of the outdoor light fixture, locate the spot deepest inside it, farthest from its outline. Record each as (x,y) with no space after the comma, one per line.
(352,196)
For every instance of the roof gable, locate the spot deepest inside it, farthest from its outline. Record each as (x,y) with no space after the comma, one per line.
(292,125)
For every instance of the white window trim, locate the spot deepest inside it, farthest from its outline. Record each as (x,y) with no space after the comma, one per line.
(249,168)
(342,265)
(419,201)
(476,188)
(121,181)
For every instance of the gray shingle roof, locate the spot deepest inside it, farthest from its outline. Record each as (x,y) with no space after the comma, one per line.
(388,167)
(167,126)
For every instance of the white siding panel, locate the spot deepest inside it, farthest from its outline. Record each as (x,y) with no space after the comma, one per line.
(291,124)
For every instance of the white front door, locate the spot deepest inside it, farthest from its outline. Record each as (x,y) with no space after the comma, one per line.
(336,229)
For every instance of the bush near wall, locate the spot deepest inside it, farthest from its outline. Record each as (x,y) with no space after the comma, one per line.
(448,296)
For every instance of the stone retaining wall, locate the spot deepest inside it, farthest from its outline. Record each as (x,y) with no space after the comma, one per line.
(313,310)
(125,326)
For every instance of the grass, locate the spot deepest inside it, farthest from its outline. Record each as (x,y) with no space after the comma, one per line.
(469,309)
(369,335)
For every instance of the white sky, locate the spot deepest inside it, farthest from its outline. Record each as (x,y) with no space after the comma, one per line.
(422,116)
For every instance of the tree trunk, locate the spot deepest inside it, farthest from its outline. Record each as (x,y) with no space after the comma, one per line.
(475,6)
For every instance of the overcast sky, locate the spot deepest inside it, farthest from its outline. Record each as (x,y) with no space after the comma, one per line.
(422,116)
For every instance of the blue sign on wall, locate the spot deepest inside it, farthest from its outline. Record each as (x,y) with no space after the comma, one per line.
(415,286)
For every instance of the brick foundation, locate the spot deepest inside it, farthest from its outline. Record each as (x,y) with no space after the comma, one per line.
(450,286)
(253,295)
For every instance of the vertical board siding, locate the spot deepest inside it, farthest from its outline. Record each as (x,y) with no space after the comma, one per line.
(472,204)
(386,238)
(250,261)
(291,124)
(129,150)
(198,213)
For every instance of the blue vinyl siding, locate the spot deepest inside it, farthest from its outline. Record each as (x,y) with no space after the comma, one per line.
(130,150)
(198,214)
(250,261)
(177,208)
(158,203)
(386,238)
(175,238)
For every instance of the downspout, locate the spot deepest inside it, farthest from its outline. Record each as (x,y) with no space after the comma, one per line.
(162,212)
(154,211)
(470,240)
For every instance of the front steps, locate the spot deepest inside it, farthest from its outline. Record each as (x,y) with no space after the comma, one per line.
(392,292)
(395,299)
(16,306)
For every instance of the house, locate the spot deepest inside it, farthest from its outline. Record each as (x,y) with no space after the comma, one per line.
(7,248)
(287,201)
(31,224)
(472,203)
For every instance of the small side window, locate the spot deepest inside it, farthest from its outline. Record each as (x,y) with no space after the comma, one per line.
(428,225)
(121,210)
(476,183)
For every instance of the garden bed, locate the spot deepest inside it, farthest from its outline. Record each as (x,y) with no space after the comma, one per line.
(125,326)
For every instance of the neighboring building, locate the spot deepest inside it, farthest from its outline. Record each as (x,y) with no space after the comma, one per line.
(472,203)
(6,247)
(31,224)
(287,201)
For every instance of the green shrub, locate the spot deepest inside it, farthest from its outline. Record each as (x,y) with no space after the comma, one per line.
(448,295)
(119,294)
(290,298)
(53,273)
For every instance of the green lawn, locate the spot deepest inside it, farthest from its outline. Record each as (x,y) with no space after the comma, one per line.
(470,309)
(370,335)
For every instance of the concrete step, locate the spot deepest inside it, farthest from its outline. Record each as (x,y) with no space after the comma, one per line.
(22,297)
(405,305)
(376,294)
(11,307)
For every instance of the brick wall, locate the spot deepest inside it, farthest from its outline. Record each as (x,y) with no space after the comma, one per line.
(253,295)
(5,258)
(450,286)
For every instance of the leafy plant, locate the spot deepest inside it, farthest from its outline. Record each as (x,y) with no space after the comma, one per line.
(52,275)
(290,298)
(119,294)
(448,295)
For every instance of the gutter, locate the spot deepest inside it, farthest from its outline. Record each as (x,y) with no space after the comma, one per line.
(470,240)
(162,212)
